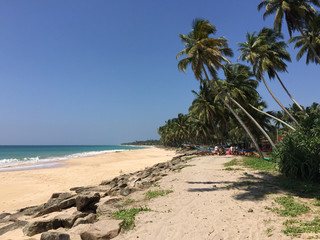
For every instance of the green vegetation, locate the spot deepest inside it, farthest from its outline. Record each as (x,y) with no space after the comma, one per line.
(128,201)
(152,194)
(299,153)
(296,227)
(144,143)
(229,109)
(258,164)
(290,207)
(233,162)
(128,216)
(233,169)
(189,158)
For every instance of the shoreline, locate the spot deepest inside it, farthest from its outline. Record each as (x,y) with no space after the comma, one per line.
(13,162)
(34,186)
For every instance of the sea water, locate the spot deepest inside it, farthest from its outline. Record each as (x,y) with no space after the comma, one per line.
(22,154)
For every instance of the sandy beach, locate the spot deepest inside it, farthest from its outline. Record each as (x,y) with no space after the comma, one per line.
(32,187)
(205,201)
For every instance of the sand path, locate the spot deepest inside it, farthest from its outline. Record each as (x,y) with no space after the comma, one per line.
(203,206)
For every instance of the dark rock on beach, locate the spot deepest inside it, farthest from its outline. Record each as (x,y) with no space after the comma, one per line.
(54,236)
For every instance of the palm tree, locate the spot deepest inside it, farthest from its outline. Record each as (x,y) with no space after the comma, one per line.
(201,51)
(210,112)
(311,31)
(243,90)
(266,54)
(295,12)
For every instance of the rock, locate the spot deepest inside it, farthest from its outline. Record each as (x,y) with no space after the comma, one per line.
(103,229)
(54,236)
(107,206)
(36,227)
(12,226)
(86,220)
(70,202)
(50,209)
(3,215)
(250,210)
(86,202)
(133,181)
(44,225)
(125,192)
(56,203)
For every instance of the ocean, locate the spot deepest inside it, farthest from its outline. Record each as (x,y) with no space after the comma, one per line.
(22,154)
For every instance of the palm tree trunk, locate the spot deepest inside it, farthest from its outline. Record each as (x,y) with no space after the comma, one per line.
(274,97)
(248,114)
(299,106)
(269,115)
(234,113)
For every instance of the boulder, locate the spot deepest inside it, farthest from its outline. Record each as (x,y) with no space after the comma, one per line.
(102,230)
(36,227)
(54,236)
(86,220)
(56,203)
(44,225)
(87,202)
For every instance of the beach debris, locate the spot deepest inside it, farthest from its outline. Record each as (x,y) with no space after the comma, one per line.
(54,236)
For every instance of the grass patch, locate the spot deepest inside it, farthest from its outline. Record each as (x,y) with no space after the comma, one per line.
(295,228)
(269,232)
(233,169)
(128,201)
(189,158)
(258,164)
(290,207)
(128,216)
(152,194)
(233,162)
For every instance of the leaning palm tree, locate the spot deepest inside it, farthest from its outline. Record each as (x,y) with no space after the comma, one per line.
(295,12)
(266,54)
(311,31)
(202,51)
(243,91)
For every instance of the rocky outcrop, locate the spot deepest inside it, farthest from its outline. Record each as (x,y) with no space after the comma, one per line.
(94,204)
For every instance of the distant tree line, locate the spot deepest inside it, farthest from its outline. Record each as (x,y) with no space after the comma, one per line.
(144,143)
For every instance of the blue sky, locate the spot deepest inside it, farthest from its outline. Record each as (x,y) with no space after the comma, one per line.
(104,72)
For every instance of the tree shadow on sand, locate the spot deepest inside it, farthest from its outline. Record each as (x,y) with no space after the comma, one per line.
(257,185)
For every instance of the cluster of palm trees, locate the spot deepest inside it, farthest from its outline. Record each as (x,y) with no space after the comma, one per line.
(231,109)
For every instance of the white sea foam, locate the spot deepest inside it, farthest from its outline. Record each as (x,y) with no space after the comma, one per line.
(13,162)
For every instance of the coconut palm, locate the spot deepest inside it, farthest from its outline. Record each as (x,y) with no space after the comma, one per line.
(295,12)
(210,112)
(311,31)
(266,54)
(242,90)
(202,51)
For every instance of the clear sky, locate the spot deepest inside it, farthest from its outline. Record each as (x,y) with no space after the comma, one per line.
(105,72)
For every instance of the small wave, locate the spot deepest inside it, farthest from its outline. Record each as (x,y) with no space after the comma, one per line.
(14,161)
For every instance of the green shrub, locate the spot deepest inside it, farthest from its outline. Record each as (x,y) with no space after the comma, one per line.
(299,153)
(128,216)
